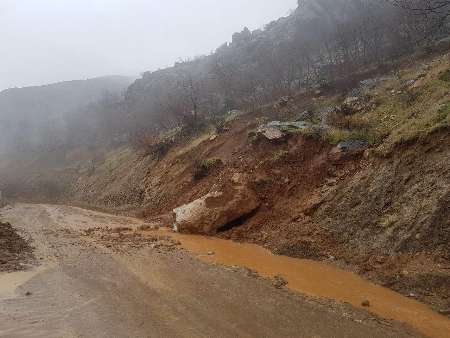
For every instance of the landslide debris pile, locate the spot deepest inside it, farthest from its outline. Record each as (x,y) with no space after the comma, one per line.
(15,252)
(125,240)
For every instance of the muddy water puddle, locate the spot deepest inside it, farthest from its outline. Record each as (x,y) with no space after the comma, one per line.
(319,279)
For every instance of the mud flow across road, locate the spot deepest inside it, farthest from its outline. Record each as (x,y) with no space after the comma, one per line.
(99,277)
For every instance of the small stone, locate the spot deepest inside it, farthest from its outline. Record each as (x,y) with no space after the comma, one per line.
(211,253)
(28,293)
(279,282)
(445,312)
(365,303)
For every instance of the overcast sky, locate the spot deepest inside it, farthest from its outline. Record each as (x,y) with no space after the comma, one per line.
(45,41)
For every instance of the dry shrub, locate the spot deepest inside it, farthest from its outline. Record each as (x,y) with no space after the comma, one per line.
(350,122)
(204,168)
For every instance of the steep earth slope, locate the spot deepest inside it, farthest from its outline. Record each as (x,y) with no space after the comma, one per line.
(365,185)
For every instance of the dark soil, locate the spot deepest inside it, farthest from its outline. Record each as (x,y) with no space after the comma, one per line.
(15,252)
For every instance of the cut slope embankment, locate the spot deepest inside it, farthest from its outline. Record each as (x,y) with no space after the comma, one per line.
(381,211)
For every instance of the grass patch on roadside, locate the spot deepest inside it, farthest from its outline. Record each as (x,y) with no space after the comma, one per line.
(445,76)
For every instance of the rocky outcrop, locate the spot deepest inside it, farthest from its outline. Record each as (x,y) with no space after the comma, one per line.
(277,130)
(216,210)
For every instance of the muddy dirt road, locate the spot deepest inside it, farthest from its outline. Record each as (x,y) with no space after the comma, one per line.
(111,285)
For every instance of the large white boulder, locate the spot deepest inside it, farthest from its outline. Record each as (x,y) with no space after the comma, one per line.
(209,214)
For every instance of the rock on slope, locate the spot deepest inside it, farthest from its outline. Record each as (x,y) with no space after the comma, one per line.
(216,210)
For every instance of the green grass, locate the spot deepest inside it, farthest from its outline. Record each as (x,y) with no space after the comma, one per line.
(445,76)
(337,135)
(443,113)
(401,117)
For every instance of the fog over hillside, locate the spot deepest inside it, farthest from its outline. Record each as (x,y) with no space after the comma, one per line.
(50,41)
(46,117)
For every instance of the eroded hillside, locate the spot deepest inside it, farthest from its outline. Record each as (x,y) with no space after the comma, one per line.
(342,157)
(360,179)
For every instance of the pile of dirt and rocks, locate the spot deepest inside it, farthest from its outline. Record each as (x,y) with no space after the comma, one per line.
(125,240)
(15,253)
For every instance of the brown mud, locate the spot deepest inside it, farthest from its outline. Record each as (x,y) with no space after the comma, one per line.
(319,279)
(98,279)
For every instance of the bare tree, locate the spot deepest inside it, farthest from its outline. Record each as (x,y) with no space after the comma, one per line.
(439,8)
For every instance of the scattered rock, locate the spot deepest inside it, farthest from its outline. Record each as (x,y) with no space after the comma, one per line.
(149,227)
(28,293)
(249,272)
(352,145)
(277,130)
(306,115)
(351,100)
(282,102)
(369,84)
(271,133)
(365,303)
(354,104)
(279,282)
(325,113)
(286,126)
(211,253)
(445,312)
(410,83)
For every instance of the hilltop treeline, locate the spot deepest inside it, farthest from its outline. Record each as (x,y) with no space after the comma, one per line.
(320,42)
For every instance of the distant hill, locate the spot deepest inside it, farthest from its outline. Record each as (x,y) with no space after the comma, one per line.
(32,116)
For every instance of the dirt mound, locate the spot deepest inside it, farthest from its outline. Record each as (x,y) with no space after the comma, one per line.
(125,240)
(15,252)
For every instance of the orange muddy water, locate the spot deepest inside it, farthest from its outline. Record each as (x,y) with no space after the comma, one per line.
(320,280)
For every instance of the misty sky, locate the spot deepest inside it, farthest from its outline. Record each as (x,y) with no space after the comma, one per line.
(45,41)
